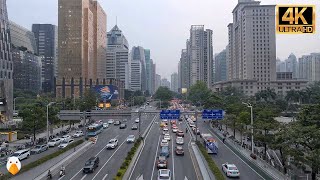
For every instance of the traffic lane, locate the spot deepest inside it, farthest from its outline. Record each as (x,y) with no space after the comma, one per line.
(226,155)
(146,161)
(184,166)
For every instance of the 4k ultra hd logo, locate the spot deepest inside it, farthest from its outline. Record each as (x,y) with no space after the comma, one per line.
(296,19)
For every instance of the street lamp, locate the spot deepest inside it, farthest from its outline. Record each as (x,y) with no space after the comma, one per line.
(51,103)
(250,106)
(14,103)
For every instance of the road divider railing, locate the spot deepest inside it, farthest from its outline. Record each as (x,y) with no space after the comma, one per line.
(131,157)
(211,164)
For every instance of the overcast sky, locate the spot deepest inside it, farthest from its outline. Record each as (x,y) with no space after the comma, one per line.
(163,25)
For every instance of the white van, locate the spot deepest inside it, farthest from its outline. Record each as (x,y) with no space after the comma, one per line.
(21,154)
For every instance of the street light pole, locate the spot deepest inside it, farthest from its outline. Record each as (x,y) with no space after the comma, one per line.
(251,111)
(51,103)
(139,123)
(14,103)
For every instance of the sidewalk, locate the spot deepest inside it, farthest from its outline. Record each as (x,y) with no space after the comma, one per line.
(245,153)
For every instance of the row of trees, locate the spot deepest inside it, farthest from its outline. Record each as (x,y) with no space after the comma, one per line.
(299,139)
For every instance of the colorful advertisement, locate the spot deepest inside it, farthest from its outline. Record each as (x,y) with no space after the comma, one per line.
(107,92)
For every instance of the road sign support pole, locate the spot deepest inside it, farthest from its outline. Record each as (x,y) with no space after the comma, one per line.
(139,123)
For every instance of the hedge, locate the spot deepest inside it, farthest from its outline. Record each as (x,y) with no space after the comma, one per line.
(127,160)
(43,159)
(212,165)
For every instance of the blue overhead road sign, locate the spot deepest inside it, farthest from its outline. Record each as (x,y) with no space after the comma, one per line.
(212,114)
(170,114)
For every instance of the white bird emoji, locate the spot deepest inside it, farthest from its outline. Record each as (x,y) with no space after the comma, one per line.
(13,165)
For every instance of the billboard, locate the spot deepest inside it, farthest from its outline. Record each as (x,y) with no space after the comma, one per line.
(107,92)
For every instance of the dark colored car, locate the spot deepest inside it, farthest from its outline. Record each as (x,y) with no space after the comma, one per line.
(123,126)
(180,133)
(179,150)
(134,127)
(91,165)
(117,123)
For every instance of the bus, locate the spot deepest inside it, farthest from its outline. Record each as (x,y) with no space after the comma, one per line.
(94,129)
(210,143)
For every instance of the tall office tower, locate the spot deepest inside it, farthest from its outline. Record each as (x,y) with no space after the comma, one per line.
(174,82)
(252,45)
(201,58)
(153,78)
(309,67)
(46,36)
(165,83)
(6,67)
(27,64)
(82,45)
(149,71)
(157,82)
(221,66)
(184,74)
(137,65)
(118,56)
(280,66)
(179,75)
(292,65)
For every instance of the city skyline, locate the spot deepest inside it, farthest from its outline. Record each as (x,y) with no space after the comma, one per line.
(169,23)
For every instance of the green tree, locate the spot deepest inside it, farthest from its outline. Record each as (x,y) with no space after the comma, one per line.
(88,101)
(268,95)
(214,102)
(199,93)
(163,93)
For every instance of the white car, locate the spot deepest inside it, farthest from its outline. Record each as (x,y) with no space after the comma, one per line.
(175,129)
(113,143)
(167,137)
(110,121)
(164,142)
(131,139)
(53,142)
(105,125)
(137,120)
(165,120)
(65,143)
(164,174)
(230,170)
(179,140)
(78,134)
(65,137)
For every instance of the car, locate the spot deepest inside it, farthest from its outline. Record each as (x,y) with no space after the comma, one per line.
(165,131)
(105,125)
(65,137)
(124,120)
(137,120)
(91,165)
(78,134)
(131,139)
(165,120)
(54,142)
(123,126)
(162,162)
(65,143)
(175,129)
(116,123)
(112,144)
(164,174)
(164,142)
(110,121)
(134,127)
(179,140)
(162,124)
(150,106)
(39,149)
(164,151)
(167,137)
(180,133)
(179,150)
(21,154)
(230,170)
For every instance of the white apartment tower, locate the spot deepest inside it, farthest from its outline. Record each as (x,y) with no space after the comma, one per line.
(251,52)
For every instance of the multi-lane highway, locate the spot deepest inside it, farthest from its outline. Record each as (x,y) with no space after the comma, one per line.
(110,160)
(181,167)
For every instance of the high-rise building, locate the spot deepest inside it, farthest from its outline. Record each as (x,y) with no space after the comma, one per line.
(184,66)
(280,66)
(82,45)
(153,78)
(157,82)
(201,55)
(6,67)
(23,38)
(118,56)
(174,82)
(252,45)
(165,83)
(292,65)
(149,70)
(137,66)
(221,66)
(309,67)
(46,36)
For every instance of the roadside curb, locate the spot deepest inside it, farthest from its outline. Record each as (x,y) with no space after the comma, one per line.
(133,162)
(203,166)
(65,161)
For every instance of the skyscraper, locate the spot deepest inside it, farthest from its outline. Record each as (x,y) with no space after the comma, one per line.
(137,65)
(165,83)
(153,82)
(184,66)
(252,46)
(221,66)
(6,67)
(81,46)
(292,65)
(46,36)
(157,82)
(174,82)
(118,56)
(309,67)
(149,70)
(201,57)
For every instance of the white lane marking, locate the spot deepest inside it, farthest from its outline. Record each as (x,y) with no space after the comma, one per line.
(104,177)
(172,160)
(155,158)
(237,155)
(109,159)
(61,177)
(95,156)
(84,177)
(135,164)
